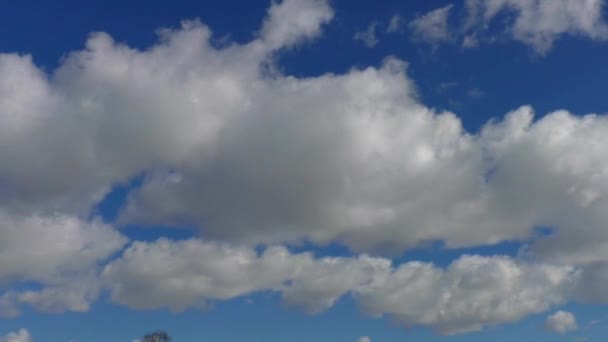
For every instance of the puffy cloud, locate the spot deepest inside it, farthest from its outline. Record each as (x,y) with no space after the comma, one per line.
(184,274)
(262,157)
(432,27)
(471,293)
(539,23)
(74,293)
(45,248)
(561,322)
(247,155)
(364,339)
(57,253)
(318,285)
(348,157)
(21,336)
(368,180)
(552,173)
(84,117)
(111,111)
(188,273)
(291,21)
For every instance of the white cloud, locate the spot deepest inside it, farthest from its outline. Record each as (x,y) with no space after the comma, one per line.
(247,155)
(255,156)
(560,175)
(539,23)
(60,253)
(189,273)
(432,27)
(66,138)
(20,336)
(471,293)
(318,285)
(85,115)
(291,21)
(368,37)
(353,158)
(185,274)
(561,322)
(40,248)
(74,293)
(364,339)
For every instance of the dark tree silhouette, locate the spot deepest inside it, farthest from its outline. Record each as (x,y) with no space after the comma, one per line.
(157,336)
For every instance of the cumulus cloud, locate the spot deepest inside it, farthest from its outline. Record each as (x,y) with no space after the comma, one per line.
(61,137)
(20,336)
(539,23)
(188,273)
(471,293)
(432,27)
(91,107)
(60,253)
(364,339)
(248,156)
(561,322)
(74,293)
(562,148)
(39,248)
(291,21)
(184,274)
(318,285)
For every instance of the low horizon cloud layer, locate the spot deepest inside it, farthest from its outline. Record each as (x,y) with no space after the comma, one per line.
(248,157)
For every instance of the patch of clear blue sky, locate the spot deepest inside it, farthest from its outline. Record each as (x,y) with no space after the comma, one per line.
(507,74)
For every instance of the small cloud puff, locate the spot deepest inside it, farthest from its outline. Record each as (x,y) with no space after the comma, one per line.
(21,336)
(432,27)
(561,322)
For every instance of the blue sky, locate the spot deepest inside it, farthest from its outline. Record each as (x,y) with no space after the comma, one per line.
(303,170)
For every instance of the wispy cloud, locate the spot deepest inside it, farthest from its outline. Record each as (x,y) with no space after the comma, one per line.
(368,37)
(432,27)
